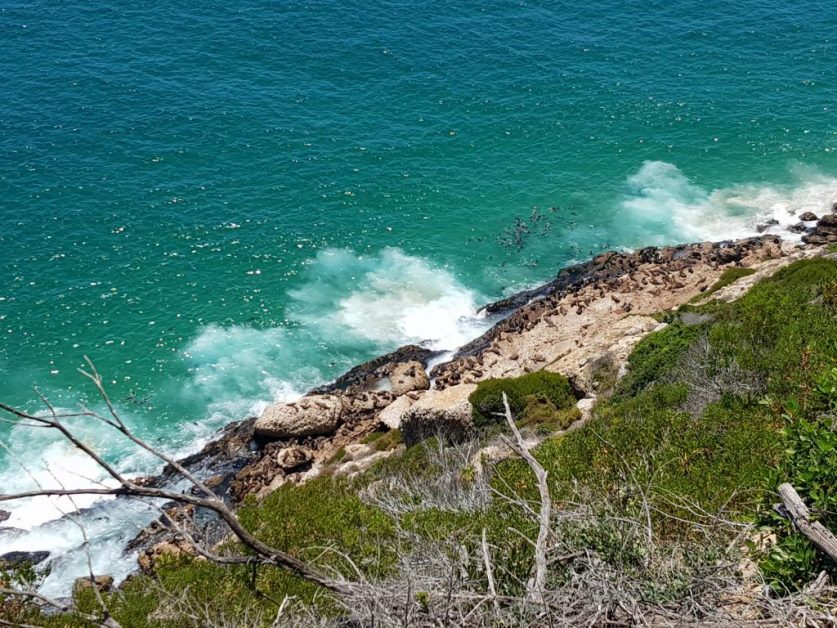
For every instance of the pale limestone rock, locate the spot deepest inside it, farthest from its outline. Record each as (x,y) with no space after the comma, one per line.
(585,406)
(102,583)
(367,401)
(393,414)
(356,451)
(290,458)
(310,416)
(445,410)
(408,376)
(352,468)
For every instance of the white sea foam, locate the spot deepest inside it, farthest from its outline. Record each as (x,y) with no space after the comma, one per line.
(663,205)
(387,299)
(349,306)
(41,459)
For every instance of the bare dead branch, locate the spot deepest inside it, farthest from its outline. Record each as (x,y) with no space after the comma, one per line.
(538,585)
(800,515)
(127,488)
(489,572)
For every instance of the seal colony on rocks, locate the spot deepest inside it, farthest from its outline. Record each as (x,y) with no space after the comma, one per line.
(591,313)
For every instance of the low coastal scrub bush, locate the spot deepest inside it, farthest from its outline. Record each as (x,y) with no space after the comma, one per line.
(323,521)
(383,441)
(656,355)
(541,392)
(809,464)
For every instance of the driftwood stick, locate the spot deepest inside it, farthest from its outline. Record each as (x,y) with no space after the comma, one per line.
(537,585)
(800,515)
(489,572)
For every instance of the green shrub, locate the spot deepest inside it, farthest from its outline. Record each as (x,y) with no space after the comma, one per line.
(306,521)
(383,441)
(542,415)
(604,374)
(655,355)
(809,464)
(829,295)
(779,329)
(543,386)
(388,441)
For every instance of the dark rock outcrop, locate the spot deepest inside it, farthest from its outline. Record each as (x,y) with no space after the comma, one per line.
(766,225)
(366,376)
(13,559)
(824,232)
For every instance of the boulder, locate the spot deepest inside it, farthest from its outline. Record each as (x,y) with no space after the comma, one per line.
(367,402)
(439,412)
(825,231)
(393,414)
(407,377)
(290,458)
(310,416)
(357,451)
(808,216)
(13,559)
(102,583)
(368,376)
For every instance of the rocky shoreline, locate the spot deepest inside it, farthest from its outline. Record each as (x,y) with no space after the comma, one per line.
(589,313)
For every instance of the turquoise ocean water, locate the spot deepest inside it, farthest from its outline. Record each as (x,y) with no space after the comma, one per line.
(226,204)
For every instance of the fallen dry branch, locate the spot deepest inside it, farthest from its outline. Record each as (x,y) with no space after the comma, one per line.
(538,584)
(800,515)
(205,498)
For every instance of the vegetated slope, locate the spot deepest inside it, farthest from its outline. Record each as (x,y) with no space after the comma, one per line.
(657,499)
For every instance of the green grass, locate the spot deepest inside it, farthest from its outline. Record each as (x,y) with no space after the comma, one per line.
(383,441)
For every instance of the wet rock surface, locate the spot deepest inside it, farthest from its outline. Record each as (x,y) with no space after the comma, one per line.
(15,559)
(824,232)
(367,376)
